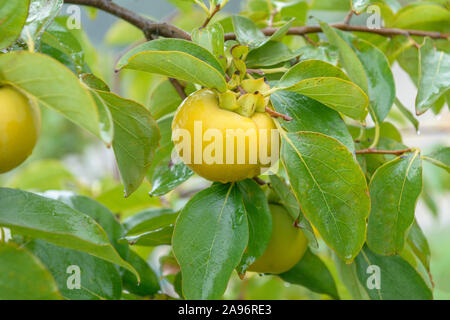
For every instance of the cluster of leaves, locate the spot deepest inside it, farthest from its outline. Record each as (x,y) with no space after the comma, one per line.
(361,204)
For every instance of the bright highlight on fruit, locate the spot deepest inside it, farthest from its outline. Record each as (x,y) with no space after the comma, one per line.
(223,145)
(20,123)
(286,247)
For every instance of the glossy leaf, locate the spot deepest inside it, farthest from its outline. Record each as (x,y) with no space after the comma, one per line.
(13,15)
(40,217)
(419,244)
(310,69)
(151,227)
(270,54)
(440,158)
(341,95)
(168,176)
(259,221)
(359,6)
(312,273)
(23,276)
(434,74)
(176,58)
(330,187)
(136,135)
(347,57)
(394,190)
(311,115)
(149,284)
(99,279)
(381,86)
(96,211)
(398,279)
(58,42)
(40,15)
(212,39)
(209,251)
(52,85)
(150,220)
(153,238)
(247,33)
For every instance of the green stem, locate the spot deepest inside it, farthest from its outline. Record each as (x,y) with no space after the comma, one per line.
(376,138)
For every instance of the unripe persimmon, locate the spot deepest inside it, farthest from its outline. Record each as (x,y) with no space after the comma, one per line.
(20,123)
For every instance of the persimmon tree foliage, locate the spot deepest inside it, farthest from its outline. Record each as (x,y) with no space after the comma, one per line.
(345,183)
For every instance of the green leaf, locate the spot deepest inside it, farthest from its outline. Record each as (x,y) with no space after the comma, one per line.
(58,42)
(136,136)
(398,279)
(154,238)
(52,85)
(13,15)
(394,190)
(270,54)
(102,215)
(381,85)
(149,284)
(212,39)
(347,57)
(167,176)
(330,187)
(310,69)
(151,227)
(312,273)
(408,114)
(289,201)
(434,75)
(341,95)
(348,276)
(23,276)
(311,115)
(440,158)
(99,279)
(359,6)
(164,99)
(176,58)
(150,220)
(209,251)
(259,221)
(247,33)
(422,16)
(419,244)
(40,217)
(163,153)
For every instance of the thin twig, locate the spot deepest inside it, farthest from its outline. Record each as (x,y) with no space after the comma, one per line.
(148,26)
(275,114)
(178,87)
(349,17)
(390,32)
(216,9)
(309,40)
(374,151)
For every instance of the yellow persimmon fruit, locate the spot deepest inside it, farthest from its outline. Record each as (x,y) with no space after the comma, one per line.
(20,123)
(222,145)
(286,247)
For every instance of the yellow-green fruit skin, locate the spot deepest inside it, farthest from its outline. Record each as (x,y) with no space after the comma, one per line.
(20,124)
(203,106)
(286,247)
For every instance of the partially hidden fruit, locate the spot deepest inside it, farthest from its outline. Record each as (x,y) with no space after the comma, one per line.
(20,123)
(222,145)
(286,247)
